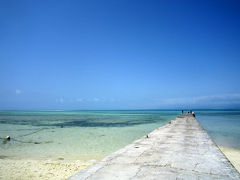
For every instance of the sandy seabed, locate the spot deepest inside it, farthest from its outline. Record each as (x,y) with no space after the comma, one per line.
(233,156)
(11,169)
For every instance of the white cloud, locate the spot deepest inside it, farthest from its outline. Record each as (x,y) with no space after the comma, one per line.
(18,91)
(112,100)
(60,100)
(201,101)
(79,100)
(96,99)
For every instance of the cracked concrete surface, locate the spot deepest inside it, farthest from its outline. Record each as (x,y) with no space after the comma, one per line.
(181,149)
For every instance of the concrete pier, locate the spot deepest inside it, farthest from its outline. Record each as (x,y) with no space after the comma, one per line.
(181,149)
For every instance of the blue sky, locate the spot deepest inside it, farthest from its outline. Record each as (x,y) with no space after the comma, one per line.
(119,54)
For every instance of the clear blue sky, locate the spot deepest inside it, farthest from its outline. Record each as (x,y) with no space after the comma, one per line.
(129,54)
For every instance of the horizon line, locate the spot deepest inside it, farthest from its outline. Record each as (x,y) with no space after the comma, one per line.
(160,109)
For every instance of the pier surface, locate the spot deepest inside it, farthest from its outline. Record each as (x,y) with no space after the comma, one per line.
(182,149)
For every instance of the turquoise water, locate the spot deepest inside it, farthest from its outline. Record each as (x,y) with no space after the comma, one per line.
(81,135)
(222,125)
(87,135)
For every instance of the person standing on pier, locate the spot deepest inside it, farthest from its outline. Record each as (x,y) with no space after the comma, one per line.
(193,114)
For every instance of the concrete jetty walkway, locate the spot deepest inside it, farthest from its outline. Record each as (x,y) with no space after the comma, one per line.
(182,149)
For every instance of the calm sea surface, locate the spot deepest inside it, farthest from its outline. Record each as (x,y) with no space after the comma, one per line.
(87,135)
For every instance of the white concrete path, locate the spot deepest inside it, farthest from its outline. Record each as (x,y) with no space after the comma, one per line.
(179,150)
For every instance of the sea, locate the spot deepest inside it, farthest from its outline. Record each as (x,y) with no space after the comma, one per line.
(92,135)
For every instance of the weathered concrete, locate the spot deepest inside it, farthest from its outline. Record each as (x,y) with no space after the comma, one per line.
(179,150)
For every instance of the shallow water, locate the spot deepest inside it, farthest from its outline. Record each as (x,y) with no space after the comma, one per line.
(81,135)
(222,125)
(89,135)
